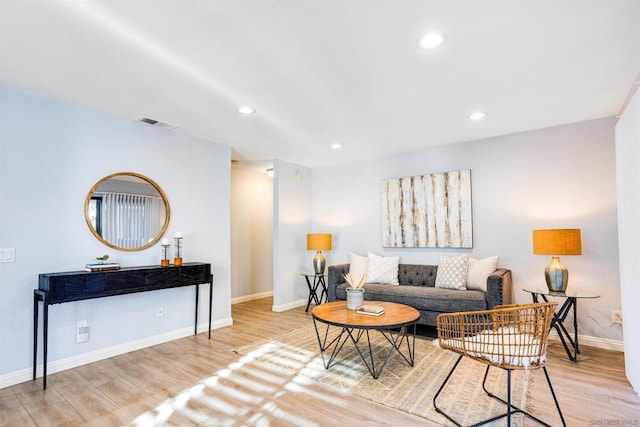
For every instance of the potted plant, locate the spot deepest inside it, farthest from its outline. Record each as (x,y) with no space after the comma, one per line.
(355,291)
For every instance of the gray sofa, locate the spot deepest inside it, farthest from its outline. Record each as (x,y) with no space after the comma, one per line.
(417,289)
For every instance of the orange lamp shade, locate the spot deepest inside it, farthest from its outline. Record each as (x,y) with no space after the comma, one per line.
(318,242)
(557,242)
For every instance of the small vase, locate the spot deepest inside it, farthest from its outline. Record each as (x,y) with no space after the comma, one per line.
(355,296)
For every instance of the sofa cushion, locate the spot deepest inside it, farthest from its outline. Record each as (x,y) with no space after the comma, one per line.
(382,269)
(422,297)
(479,270)
(358,265)
(452,272)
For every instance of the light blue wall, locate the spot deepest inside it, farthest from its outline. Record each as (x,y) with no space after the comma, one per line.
(292,222)
(561,177)
(51,154)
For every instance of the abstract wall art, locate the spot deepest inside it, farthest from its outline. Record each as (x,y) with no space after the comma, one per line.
(427,211)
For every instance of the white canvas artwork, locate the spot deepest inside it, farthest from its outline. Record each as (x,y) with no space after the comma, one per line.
(427,211)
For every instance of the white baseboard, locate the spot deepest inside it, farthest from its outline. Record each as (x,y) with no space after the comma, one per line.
(251,297)
(23,375)
(590,341)
(288,306)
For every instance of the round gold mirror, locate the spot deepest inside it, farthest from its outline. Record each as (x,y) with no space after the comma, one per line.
(127,211)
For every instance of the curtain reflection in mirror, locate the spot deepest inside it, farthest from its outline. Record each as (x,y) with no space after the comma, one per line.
(127,220)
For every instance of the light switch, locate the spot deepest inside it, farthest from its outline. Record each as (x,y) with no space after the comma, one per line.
(7,255)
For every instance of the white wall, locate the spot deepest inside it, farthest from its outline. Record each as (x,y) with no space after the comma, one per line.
(628,169)
(292,222)
(561,177)
(251,234)
(51,154)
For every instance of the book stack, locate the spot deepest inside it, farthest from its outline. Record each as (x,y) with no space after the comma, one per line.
(370,310)
(102,267)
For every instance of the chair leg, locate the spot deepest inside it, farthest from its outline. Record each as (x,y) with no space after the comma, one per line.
(510,406)
(553,393)
(511,409)
(438,410)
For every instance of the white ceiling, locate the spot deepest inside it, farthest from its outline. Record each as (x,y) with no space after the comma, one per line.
(320,72)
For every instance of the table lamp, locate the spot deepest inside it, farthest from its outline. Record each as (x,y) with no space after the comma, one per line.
(319,242)
(557,242)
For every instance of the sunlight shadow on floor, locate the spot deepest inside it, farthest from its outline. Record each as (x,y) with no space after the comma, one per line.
(257,390)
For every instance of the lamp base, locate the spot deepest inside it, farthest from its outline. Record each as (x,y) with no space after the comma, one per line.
(319,263)
(556,275)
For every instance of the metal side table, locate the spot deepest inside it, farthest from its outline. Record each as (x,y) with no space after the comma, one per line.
(315,281)
(570,344)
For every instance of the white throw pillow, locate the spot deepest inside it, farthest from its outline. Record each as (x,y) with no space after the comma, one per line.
(479,270)
(358,265)
(383,269)
(452,272)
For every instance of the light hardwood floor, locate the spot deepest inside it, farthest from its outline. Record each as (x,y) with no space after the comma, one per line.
(115,391)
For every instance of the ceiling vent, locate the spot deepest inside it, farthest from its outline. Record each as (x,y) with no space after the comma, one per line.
(156,123)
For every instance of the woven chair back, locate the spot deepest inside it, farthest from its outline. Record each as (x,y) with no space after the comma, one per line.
(509,336)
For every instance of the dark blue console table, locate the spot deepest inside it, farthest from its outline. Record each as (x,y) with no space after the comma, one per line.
(57,288)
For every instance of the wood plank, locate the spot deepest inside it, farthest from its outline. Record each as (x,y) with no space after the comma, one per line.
(12,413)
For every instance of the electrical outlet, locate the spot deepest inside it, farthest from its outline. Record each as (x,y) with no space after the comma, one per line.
(7,255)
(160,312)
(82,331)
(616,317)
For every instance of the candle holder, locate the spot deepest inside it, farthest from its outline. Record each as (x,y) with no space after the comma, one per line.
(164,262)
(178,258)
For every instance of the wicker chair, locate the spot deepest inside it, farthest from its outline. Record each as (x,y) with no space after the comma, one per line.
(509,337)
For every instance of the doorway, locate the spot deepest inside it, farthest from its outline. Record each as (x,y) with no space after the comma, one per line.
(251,234)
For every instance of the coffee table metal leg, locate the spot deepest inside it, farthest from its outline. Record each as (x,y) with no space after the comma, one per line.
(324,344)
(410,341)
(336,344)
(395,342)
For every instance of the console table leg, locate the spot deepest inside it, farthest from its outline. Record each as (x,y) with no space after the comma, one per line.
(45,339)
(195,328)
(210,302)
(35,333)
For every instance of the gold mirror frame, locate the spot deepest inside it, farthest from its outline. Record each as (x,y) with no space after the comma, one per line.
(144,178)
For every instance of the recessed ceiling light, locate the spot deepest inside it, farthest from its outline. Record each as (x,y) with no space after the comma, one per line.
(245,109)
(478,115)
(336,146)
(431,40)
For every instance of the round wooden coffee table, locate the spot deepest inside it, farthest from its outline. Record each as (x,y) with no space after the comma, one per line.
(392,325)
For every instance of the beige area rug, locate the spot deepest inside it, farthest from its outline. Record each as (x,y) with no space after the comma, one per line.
(409,389)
